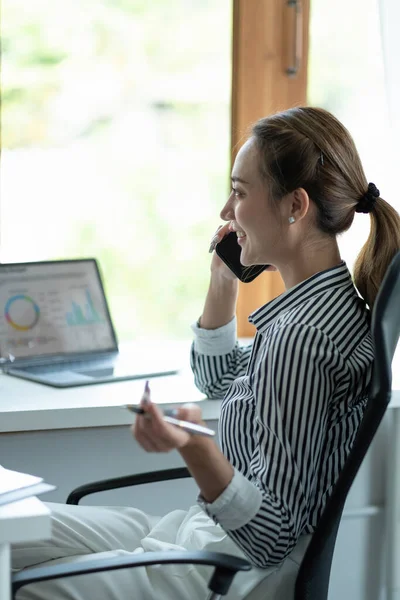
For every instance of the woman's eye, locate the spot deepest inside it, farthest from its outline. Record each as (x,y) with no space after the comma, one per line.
(237,193)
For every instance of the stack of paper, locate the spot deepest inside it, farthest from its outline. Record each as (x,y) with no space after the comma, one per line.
(15,486)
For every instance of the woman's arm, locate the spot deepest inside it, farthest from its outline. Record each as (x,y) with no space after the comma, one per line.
(209,467)
(220,305)
(216,357)
(266,510)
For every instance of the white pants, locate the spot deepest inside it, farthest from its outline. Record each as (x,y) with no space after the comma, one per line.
(79,532)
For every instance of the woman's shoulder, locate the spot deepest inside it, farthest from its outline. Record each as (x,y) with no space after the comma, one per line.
(338,318)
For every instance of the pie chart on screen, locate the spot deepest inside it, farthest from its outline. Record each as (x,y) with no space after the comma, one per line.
(21,312)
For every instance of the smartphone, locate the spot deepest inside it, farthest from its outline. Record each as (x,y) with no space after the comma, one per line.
(229,251)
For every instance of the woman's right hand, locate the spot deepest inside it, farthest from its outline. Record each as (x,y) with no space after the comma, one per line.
(220,304)
(218,267)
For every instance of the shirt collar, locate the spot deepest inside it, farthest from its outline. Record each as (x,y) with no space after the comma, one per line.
(330,279)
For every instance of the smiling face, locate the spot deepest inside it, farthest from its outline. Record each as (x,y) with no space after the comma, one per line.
(257,222)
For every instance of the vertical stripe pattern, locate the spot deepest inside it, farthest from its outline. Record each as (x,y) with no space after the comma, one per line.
(293,402)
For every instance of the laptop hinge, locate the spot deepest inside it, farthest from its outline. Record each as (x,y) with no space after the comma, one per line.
(37,361)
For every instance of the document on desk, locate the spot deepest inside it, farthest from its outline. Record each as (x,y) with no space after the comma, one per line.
(15,486)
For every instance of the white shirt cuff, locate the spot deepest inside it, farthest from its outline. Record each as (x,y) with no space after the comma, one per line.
(236,506)
(215,342)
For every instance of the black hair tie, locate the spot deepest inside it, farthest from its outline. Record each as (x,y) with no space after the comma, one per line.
(367,202)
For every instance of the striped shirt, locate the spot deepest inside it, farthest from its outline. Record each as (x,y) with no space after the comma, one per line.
(292,403)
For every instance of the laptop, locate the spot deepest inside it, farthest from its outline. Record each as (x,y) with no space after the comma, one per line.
(56,328)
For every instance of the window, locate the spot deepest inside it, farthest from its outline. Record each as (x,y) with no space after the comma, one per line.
(116,137)
(346,77)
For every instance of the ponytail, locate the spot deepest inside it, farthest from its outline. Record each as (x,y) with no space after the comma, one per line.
(382,244)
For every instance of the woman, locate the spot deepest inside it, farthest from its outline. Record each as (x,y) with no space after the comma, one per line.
(292,401)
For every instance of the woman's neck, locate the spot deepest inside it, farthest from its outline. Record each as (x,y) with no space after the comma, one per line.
(309,260)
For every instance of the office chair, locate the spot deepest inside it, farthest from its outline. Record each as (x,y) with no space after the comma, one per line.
(312,580)
(313,577)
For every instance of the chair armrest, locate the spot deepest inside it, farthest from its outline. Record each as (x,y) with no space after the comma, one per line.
(226,567)
(120,482)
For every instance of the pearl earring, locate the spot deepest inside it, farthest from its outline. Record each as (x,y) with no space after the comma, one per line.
(291,220)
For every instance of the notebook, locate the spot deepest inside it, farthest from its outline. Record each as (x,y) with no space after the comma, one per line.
(56,328)
(15,486)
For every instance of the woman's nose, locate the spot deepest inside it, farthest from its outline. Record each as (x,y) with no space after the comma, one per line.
(227,213)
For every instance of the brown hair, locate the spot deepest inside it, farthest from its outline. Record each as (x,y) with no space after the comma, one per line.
(309,148)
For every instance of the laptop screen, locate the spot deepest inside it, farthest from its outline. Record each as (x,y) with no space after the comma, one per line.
(51,308)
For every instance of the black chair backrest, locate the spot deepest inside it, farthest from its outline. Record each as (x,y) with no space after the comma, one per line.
(313,577)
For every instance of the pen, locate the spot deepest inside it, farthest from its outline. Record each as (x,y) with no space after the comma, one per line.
(185,425)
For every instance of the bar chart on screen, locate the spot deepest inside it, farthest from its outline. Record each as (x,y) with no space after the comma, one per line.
(86,315)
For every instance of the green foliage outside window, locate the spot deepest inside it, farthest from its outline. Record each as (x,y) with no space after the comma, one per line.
(116,125)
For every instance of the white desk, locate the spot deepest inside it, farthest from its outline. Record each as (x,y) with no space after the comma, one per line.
(29,409)
(29,406)
(24,521)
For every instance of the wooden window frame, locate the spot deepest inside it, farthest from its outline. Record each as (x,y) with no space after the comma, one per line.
(263,44)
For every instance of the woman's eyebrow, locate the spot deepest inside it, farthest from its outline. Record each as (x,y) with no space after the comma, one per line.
(239,179)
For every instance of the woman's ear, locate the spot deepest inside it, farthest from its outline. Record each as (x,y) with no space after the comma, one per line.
(299,204)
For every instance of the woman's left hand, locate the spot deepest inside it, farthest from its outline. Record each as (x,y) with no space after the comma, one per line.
(155,435)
